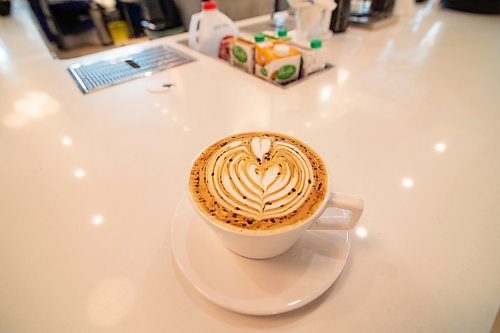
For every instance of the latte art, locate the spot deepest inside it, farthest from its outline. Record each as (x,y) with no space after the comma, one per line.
(258,180)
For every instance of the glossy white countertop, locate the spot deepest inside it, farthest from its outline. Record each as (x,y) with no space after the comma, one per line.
(408,120)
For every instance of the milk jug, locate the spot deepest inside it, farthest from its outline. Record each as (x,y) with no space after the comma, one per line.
(209,28)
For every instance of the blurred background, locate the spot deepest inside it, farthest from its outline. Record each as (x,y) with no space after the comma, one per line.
(74,28)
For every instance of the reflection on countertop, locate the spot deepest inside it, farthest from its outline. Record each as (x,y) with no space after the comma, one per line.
(407,119)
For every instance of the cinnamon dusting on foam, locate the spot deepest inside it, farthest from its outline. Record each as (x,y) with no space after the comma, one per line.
(258,181)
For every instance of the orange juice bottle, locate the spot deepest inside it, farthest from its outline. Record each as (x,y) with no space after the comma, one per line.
(277,62)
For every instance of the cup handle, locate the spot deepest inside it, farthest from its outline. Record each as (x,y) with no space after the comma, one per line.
(347,202)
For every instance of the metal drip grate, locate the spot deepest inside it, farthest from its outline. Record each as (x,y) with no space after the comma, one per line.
(105,73)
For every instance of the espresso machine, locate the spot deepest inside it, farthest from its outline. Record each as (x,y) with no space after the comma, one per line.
(372,14)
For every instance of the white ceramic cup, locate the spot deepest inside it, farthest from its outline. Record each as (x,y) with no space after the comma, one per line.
(262,244)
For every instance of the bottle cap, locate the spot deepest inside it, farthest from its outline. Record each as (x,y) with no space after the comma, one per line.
(207,5)
(259,38)
(281,50)
(282,32)
(316,44)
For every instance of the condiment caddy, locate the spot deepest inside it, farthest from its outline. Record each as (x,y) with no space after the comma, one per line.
(273,56)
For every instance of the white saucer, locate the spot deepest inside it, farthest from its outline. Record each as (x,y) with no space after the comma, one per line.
(250,286)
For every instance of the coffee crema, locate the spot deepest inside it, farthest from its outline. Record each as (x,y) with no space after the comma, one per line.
(258,181)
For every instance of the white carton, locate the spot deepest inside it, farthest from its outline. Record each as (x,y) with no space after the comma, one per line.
(313,59)
(243,54)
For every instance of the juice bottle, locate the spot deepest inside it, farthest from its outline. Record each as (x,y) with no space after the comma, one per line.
(277,62)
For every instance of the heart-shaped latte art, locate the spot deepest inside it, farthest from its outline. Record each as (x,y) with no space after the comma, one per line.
(259,180)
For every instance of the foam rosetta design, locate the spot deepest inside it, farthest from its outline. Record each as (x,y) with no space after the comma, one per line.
(260,178)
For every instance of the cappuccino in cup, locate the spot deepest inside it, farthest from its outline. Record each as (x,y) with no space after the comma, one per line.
(258,181)
(260,191)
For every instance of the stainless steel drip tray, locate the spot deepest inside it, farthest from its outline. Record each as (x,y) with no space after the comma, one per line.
(104,73)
